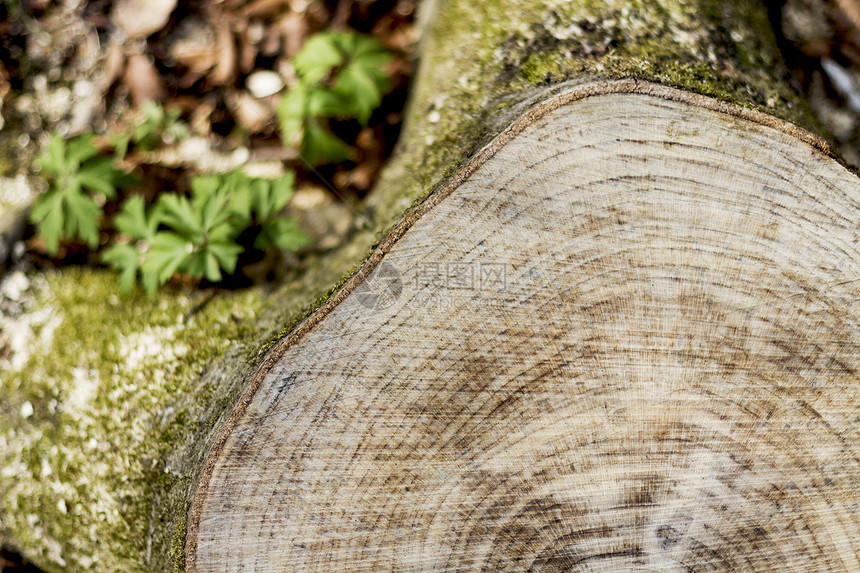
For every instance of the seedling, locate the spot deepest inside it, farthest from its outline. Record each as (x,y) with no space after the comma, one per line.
(159,126)
(198,236)
(341,76)
(80,182)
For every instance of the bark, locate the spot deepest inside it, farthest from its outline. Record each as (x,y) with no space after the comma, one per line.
(218,427)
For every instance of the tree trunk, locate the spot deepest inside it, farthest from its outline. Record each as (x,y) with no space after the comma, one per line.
(616,329)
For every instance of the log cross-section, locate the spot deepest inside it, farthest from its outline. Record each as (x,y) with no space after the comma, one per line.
(625,337)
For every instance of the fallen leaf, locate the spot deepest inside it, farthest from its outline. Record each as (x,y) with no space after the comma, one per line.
(294,30)
(141,18)
(113,66)
(200,121)
(225,68)
(263,8)
(271,45)
(851,8)
(198,58)
(251,113)
(247,47)
(142,80)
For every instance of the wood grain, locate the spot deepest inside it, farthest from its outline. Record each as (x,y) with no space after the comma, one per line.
(627,340)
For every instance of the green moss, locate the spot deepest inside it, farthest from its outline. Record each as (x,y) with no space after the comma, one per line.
(724,50)
(107,394)
(177,547)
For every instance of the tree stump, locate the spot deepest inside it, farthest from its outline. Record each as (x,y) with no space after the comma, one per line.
(623,338)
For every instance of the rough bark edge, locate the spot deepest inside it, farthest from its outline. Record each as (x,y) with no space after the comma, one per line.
(537,111)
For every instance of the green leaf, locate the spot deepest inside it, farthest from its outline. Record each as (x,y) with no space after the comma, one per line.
(272,196)
(196,266)
(281,191)
(99,175)
(235,188)
(369,51)
(158,126)
(133,220)
(120,143)
(79,149)
(240,204)
(150,282)
(203,186)
(226,254)
(124,258)
(292,111)
(67,210)
(319,146)
(213,271)
(47,213)
(152,112)
(318,56)
(168,253)
(359,93)
(283,232)
(145,134)
(53,159)
(323,102)
(178,214)
(82,218)
(212,211)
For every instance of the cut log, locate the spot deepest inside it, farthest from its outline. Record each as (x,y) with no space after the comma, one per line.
(624,338)
(616,329)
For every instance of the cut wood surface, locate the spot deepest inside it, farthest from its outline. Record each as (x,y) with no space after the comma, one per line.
(624,338)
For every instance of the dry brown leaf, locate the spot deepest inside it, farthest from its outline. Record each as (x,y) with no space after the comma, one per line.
(5,88)
(851,8)
(226,65)
(263,8)
(198,58)
(361,177)
(247,49)
(113,66)
(274,153)
(341,15)
(201,116)
(271,45)
(251,113)
(142,80)
(847,17)
(140,18)
(195,48)
(294,30)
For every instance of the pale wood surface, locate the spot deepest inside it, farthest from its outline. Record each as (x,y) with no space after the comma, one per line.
(666,380)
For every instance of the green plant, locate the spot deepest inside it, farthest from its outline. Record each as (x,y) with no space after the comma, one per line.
(198,236)
(139,226)
(80,182)
(158,126)
(341,76)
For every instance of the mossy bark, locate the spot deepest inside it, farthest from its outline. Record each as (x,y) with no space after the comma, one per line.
(111,405)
